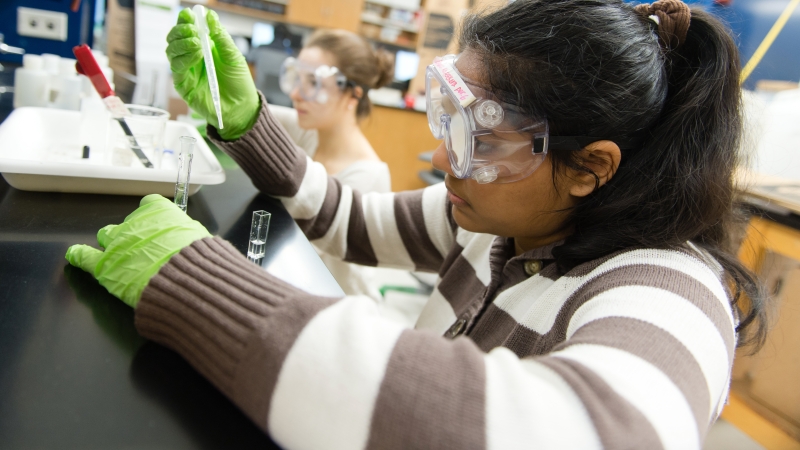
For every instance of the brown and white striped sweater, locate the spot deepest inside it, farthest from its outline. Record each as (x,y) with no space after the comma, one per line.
(633,350)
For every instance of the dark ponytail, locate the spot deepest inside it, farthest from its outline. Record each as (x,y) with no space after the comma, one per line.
(596,68)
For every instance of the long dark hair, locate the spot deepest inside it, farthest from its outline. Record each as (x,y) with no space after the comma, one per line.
(596,68)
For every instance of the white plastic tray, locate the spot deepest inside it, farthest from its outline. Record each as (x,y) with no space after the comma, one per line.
(39,152)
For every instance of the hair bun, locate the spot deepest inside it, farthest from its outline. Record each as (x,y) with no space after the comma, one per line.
(672,18)
(385,65)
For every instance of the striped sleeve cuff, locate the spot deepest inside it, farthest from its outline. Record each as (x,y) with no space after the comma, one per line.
(267,154)
(231,320)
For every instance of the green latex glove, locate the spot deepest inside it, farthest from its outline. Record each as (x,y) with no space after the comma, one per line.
(238,96)
(137,248)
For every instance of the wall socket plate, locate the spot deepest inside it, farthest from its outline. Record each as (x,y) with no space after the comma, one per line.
(42,23)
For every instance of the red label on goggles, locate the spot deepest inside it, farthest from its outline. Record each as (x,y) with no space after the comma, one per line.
(486,139)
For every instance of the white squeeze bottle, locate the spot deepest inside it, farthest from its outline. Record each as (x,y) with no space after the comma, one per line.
(51,63)
(31,83)
(69,86)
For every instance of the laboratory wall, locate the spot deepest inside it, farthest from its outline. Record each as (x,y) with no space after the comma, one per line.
(79,27)
(750,21)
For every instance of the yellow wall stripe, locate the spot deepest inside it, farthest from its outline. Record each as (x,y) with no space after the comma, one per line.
(768,40)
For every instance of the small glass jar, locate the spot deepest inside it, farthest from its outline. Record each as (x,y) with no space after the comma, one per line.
(147,124)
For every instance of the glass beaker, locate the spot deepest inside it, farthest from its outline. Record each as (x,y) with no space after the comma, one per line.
(147,124)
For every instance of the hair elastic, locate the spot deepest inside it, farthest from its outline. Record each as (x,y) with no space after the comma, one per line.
(672,17)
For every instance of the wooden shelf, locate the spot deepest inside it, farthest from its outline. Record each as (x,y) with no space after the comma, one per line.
(241,10)
(409,47)
(740,415)
(398,136)
(766,381)
(389,23)
(391,4)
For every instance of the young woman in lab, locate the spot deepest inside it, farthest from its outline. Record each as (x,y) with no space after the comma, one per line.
(328,84)
(588,296)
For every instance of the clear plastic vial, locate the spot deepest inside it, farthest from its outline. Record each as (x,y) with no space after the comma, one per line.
(259,227)
(184,171)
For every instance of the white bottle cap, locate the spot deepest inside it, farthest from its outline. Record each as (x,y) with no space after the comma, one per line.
(74,83)
(33,62)
(66,66)
(51,62)
(69,97)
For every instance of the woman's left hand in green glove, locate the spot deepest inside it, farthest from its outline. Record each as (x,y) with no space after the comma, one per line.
(136,249)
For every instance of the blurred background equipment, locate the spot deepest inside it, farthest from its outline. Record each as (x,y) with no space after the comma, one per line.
(270,45)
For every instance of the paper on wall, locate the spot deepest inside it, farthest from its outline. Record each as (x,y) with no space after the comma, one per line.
(153,20)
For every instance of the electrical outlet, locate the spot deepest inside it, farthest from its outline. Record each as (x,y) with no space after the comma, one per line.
(41,23)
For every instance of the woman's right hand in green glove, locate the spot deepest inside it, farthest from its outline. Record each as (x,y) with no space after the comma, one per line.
(136,249)
(238,96)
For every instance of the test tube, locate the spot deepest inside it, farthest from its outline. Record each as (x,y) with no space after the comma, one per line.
(205,44)
(258,235)
(184,171)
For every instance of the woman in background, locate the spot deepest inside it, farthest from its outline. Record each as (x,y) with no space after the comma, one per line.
(328,84)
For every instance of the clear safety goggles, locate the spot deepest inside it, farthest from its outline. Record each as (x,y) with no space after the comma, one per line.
(489,140)
(486,139)
(315,83)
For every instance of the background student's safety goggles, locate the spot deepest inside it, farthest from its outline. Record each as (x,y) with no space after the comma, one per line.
(486,140)
(315,83)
